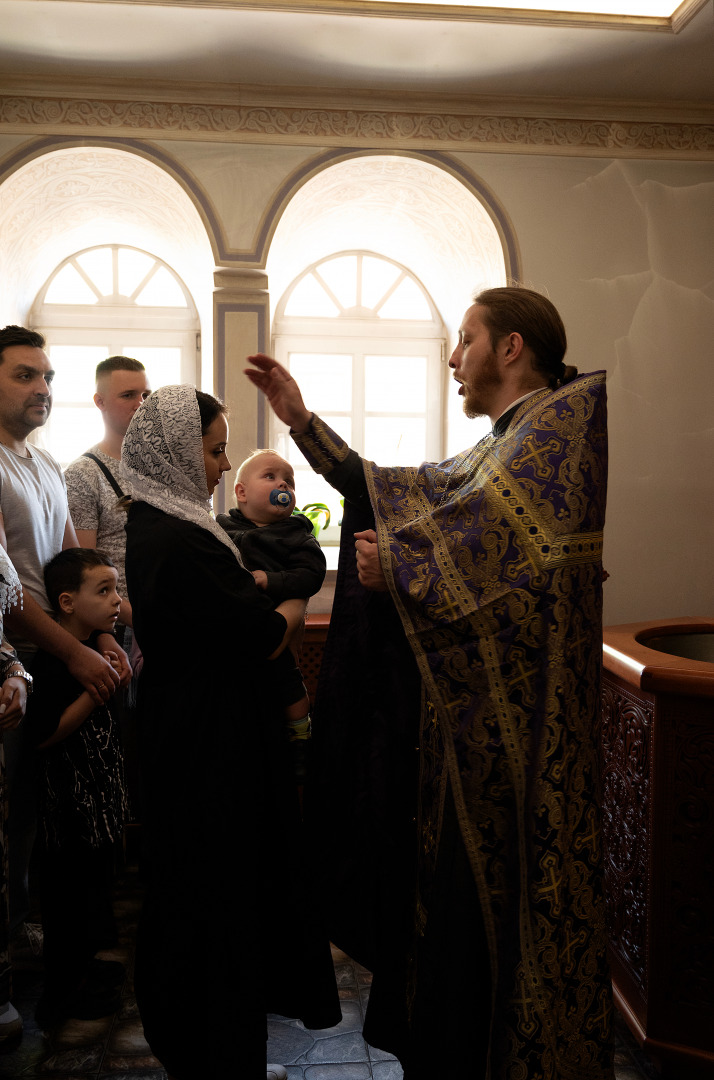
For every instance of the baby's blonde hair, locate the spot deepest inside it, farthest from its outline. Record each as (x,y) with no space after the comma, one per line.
(240,472)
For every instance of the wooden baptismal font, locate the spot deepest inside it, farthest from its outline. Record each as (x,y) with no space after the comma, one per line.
(658,795)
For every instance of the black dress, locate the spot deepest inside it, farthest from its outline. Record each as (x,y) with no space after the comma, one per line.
(229,931)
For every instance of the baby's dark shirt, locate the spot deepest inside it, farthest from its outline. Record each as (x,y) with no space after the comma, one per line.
(286,550)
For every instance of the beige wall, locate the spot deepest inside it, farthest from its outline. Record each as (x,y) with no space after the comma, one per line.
(626,251)
(625,248)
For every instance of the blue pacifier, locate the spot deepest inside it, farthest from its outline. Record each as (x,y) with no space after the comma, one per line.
(280,498)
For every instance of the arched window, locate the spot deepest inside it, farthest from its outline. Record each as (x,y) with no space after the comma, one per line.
(106,301)
(367,346)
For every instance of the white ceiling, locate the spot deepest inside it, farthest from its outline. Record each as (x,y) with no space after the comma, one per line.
(187,44)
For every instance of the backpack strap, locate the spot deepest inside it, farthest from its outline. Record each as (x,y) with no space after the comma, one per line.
(110,479)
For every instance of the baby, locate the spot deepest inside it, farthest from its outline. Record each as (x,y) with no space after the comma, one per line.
(280,550)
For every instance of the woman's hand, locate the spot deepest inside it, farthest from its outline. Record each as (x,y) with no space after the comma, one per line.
(281,390)
(369,568)
(13,699)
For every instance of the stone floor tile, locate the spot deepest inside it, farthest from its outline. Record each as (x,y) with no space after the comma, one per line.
(336,1048)
(288,1041)
(344,974)
(135,1074)
(123,953)
(127,908)
(127,1039)
(129,1009)
(114,1047)
(375,1054)
(78,1033)
(78,1061)
(132,1067)
(387,1070)
(343,1071)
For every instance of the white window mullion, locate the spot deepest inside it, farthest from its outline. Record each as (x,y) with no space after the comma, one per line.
(358,416)
(404,422)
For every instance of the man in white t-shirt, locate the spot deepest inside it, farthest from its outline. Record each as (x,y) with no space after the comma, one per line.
(35,525)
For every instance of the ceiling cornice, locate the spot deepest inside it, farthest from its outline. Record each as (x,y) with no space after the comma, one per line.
(402,9)
(317,97)
(361,120)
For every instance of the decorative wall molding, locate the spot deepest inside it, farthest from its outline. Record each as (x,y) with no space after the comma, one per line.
(16,164)
(363,126)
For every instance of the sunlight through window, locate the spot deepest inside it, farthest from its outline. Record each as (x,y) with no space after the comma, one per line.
(133,268)
(365,344)
(105,301)
(69,287)
(114,274)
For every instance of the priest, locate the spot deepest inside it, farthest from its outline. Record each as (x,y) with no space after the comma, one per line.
(456,784)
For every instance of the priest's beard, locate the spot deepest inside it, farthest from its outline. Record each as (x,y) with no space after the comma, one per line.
(483,388)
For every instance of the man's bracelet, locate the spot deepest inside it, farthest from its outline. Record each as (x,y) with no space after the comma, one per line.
(19,673)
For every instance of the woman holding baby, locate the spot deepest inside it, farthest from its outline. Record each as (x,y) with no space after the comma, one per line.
(221,941)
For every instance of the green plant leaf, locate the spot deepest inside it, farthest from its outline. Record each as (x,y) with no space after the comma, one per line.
(319,515)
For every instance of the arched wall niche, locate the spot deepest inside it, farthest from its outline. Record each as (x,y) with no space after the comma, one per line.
(427,211)
(64,200)
(411,209)
(257,255)
(408,208)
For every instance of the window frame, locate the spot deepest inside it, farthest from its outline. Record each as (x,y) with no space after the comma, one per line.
(118,325)
(360,334)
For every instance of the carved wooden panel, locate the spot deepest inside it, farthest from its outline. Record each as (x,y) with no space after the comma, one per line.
(311,652)
(626,779)
(658,823)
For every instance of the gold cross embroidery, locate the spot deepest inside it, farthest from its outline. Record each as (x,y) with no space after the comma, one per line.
(538,455)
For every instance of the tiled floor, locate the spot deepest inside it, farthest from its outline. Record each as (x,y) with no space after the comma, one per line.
(114,1046)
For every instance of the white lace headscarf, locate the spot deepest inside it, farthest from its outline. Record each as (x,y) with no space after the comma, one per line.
(10,587)
(162,459)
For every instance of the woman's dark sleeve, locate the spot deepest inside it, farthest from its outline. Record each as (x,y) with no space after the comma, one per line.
(182,579)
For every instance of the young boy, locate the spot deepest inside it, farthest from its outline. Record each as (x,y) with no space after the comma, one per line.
(82,802)
(280,550)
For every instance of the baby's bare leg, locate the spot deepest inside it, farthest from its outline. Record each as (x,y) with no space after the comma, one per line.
(298,710)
